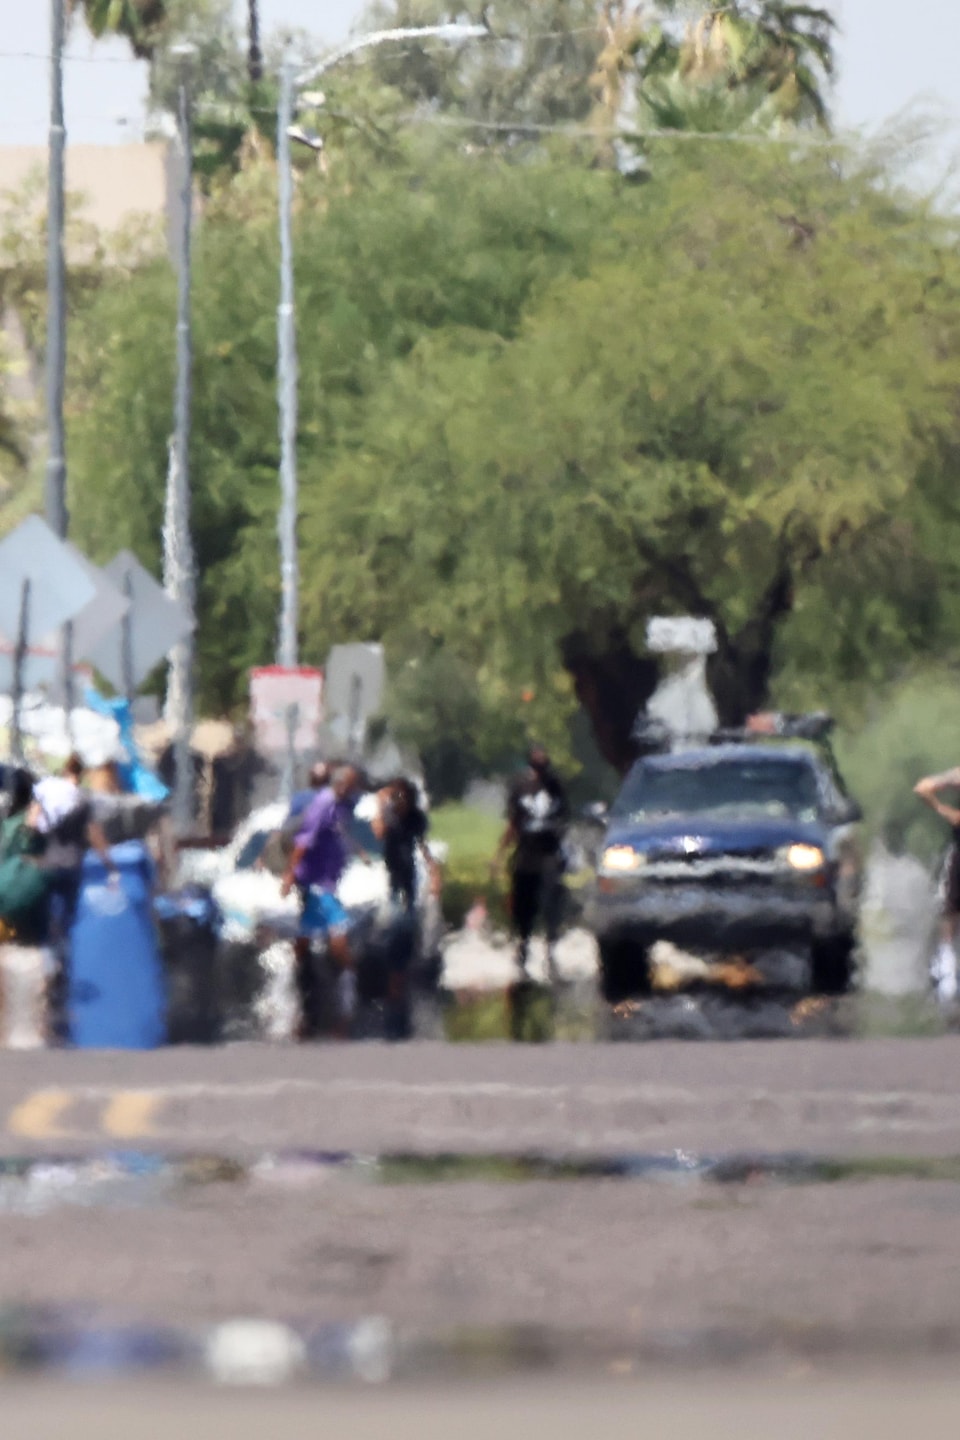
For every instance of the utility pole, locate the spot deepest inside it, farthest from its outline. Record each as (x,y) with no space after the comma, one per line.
(56,360)
(288,640)
(178,559)
(287,387)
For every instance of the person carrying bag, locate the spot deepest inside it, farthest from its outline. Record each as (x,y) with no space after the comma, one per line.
(24,926)
(24,885)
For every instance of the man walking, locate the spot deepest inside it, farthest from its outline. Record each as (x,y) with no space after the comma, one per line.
(537,816)
(315,868)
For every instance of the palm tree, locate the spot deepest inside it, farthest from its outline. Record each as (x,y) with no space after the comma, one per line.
(138,21)
(784,48)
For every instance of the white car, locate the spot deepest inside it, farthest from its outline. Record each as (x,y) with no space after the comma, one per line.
(247,890)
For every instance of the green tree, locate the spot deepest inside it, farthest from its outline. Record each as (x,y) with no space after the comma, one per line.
(383,257)
(751,392)
(538,405)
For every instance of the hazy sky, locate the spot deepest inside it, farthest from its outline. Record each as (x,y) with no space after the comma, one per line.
(890,55)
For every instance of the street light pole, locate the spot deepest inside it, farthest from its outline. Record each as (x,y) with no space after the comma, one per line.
(56,357)
(287,387)
(291,85)
(178,559)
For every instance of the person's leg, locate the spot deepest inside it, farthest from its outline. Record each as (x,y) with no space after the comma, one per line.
(524,903)
(399,961)
(337,924)
(551,901)
(342,957)
(63,901)
(945,965)
(305,976)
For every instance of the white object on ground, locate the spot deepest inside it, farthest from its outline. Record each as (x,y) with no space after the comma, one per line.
(23,997)
(370,1349)
(254,1352)
(475,962)
(277,1006)
(898,916)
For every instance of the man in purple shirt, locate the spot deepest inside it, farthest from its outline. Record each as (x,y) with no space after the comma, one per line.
(318,861)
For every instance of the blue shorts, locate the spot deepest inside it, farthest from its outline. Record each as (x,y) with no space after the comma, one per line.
(321,913)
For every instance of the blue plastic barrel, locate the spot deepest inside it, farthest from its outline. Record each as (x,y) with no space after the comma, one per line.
(116,996)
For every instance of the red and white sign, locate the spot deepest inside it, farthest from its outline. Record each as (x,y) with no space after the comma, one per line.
(274,692)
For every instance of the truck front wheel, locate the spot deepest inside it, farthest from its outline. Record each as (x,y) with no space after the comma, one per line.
(624,971)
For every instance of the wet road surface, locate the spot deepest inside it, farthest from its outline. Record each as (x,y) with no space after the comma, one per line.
(851,1266)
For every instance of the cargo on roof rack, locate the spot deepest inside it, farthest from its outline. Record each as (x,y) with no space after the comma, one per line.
(815,726)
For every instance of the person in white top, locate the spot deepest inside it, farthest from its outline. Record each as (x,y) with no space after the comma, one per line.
(62,812)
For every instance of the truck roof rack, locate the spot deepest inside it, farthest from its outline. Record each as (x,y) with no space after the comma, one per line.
(815,726)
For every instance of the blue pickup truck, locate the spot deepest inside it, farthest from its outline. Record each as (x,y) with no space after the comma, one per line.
(743,846)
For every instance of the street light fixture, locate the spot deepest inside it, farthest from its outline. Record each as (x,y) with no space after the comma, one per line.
(291,86)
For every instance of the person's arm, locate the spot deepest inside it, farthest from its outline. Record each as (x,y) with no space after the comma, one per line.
(379,822)
(929,789)
(433,866)
(507,841)
(289,875)
(97,840)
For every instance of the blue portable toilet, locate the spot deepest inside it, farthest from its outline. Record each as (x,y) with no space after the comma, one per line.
(116,996)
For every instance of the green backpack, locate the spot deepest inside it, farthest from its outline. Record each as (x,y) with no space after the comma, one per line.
(23,885)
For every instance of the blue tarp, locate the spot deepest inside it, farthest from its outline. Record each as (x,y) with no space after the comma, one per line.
(134,775)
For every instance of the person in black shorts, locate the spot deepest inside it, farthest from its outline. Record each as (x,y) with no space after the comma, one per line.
(945,965)
(537,817)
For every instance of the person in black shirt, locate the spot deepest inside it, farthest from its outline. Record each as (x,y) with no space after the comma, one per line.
(537,817)
(401,825)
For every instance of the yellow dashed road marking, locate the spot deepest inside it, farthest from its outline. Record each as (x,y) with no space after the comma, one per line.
(130,1114)
(36,1118)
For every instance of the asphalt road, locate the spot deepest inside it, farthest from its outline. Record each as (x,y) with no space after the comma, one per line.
(845,1097)
(795,1409)
(641,1271)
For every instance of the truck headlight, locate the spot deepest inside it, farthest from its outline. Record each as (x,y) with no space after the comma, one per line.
(622,859)
(802,857)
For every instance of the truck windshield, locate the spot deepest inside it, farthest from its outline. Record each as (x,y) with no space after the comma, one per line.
(774,788)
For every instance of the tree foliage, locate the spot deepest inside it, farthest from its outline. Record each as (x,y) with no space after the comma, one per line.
(538,404)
